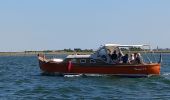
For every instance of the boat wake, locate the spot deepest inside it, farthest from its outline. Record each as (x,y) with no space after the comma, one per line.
(93,75)
(78,75)
(165,74)
(84,75)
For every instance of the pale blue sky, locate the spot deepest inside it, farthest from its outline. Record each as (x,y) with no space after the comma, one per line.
(59,24)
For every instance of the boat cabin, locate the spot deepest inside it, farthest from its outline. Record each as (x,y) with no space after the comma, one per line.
(110,54)
(120,54)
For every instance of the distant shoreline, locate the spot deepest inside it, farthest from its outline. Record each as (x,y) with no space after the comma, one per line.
(53,53)
(36,53)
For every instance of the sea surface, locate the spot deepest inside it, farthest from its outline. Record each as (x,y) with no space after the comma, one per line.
(21,79)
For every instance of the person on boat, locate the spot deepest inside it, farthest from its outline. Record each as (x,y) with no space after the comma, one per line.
(119,58)
(114,56)
(132,58)
(125,58)
(104,57)
(109,53)
(138,58)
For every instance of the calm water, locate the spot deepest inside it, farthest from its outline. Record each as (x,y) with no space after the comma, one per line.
(21,79)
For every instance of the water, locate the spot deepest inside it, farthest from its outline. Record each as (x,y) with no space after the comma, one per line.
(21,79)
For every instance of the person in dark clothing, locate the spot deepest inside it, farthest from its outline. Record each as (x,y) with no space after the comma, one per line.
(104,57)
(125,58)
(119,57)
(114,56)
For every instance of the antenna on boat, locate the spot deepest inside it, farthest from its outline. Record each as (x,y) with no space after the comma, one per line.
(160,58)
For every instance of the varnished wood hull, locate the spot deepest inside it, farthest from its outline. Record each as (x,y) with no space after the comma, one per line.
(111,69)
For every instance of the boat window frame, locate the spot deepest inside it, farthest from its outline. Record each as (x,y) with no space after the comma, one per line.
(73,60)
(83,62)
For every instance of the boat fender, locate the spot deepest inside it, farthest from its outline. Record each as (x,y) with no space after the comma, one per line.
(69,66)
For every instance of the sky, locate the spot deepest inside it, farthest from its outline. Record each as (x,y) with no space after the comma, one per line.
(85,24)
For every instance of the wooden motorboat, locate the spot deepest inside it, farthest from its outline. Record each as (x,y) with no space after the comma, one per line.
(103,62)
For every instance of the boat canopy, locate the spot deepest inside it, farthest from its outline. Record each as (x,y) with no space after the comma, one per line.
(78,56)
(118,45)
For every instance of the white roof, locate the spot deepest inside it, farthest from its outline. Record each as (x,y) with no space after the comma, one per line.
(78,56)
(57,60)
(118,45)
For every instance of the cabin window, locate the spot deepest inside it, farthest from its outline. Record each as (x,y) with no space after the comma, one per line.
(92,61)
(83,61)
(73,60)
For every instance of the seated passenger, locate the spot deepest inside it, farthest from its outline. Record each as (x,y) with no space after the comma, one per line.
(114,56)
(109,53)
(132,58)
(138,59)
(125,58)
(104,57)
(119,57)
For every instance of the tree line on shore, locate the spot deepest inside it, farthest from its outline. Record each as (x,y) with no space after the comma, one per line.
(64,50)
(91,50)
(78,50)
(85,50)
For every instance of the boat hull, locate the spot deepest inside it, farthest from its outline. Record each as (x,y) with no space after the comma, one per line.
(109,69)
